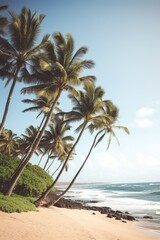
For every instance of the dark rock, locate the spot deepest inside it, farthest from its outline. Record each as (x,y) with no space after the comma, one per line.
(148,217)
(93,213)
(119,212)
(117,218)
(128,217)
(109,216)
(124,221)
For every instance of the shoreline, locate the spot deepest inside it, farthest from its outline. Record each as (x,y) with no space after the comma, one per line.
(139,199)
(140,222)
(61,223)
(149,231)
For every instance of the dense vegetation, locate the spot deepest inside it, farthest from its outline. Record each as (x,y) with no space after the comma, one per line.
(49,69)
(33,181)
(16,203)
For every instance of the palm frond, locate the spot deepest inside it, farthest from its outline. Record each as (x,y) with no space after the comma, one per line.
(112,134)
(60,47)
(124,128)
(79,53)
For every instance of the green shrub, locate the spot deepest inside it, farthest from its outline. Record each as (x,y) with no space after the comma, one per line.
(33,181)
(16,204)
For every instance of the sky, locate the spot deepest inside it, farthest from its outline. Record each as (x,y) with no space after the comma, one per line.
(123,38)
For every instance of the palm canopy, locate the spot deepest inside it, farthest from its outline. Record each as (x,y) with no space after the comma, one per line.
(41,104)
(20,46)
(60,69)
(9,143)
(3,20)
(55,139)
(106,125)
(27,139)
(88,105)
(55,142)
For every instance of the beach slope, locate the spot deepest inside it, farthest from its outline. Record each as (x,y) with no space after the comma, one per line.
(60,224)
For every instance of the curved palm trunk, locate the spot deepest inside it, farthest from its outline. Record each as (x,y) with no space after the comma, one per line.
(49,155)
(41,159)
(25,161)
(21,163)
(50,165)
(75,177)
(57,169)
(45,193)
(9,100)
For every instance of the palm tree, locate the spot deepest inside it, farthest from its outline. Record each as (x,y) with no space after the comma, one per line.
(87,105)
(55,139)
(3,20)
(67,147)
(9,143)
(41,104)
(62,70)
(106,127)
(27,138)
(14,55)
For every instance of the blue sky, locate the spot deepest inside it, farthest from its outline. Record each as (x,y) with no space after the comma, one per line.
(123,38)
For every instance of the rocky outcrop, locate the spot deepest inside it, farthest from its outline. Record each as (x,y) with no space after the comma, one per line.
(67,203)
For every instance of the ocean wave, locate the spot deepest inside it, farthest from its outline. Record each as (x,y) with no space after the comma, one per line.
(154,184)
(155,193)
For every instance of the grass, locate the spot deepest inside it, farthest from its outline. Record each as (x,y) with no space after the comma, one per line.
(16,203)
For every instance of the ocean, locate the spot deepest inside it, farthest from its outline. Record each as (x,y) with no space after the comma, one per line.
(139,199)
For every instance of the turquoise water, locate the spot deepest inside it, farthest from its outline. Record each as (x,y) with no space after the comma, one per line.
(139,199)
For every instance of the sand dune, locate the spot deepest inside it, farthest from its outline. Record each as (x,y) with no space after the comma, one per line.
(65,224)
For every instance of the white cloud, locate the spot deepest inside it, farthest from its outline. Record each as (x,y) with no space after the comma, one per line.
(144,123)
(144,118)
(145,112)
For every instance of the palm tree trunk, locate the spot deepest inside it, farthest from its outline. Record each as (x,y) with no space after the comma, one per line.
(75,177)
(57,169)
(25,161)
(9,100)
(50,165)
(41,159)
(45,193)
(49,155)
(21,163)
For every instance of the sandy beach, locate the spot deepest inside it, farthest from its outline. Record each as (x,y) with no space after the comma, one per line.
(57,223)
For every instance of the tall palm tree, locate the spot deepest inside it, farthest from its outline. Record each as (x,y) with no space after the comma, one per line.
(61,71)
(67,147)
(87,105)
(3,20)
(41,104)
(27,138)
(104,126)
(16,53)
(9,143)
